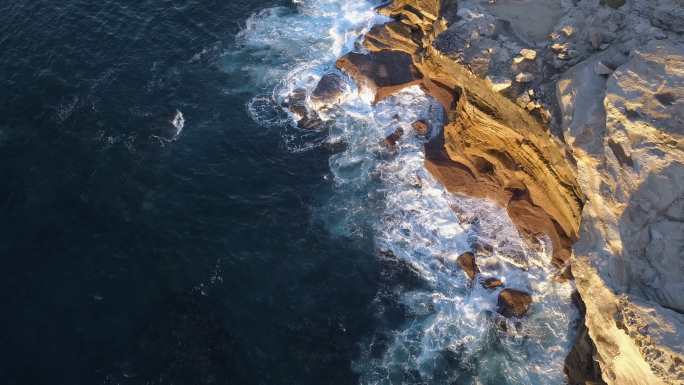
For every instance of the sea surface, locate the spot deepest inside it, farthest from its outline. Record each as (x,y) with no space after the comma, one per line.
(163,219)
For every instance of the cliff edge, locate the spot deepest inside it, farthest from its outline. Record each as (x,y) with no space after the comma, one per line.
(570,114)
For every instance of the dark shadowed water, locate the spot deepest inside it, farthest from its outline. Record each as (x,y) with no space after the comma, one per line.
(132,259)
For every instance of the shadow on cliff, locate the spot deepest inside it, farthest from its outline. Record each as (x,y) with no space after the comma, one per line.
(652,233)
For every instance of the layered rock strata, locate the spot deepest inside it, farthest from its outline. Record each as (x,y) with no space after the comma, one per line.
(532,178)
(605,183)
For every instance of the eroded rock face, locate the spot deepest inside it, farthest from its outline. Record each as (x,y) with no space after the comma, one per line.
(525,171)
(513,303)
(619,99)
(491,147)
(381,73)
(629,148)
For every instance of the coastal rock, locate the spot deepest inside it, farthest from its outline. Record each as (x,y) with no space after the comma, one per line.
(394,35)
(296,104)
(513,303)
(610,197)
(467,263)
(328,91)
(524,77)
(485,153)
(492,283)
(629,148)
(392,139)
(421,128)
(380,73)
(528,54)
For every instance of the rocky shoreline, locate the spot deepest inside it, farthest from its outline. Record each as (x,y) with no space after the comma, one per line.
(575,126)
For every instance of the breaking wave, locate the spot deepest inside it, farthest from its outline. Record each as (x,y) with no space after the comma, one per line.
(451,332)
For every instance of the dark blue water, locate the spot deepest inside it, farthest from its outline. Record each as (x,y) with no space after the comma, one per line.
(132,258)
(164,221)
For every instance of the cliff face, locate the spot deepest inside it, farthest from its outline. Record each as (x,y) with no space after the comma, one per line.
(630,153)
(607,186)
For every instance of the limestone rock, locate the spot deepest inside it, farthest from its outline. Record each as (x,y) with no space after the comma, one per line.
(513,303)
(624,131)
(497,158)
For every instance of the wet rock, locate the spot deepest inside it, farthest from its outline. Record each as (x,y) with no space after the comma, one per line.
(421,128)
(382,73)
(467,262)
(492,283)
(393,138)
(296,104)
(328,91)
(513,303)
(559,47)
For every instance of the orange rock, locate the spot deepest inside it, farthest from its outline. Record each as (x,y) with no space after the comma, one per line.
(513,303)
(492,283)
(421,128)
(467,262)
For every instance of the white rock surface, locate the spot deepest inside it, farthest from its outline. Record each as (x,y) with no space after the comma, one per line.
(627,134)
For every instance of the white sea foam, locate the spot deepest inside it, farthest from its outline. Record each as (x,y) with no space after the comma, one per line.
(454,334)
(178,122)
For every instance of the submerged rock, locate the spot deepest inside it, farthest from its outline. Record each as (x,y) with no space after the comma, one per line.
(513,303)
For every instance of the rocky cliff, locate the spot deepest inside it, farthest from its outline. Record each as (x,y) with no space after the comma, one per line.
(571,115)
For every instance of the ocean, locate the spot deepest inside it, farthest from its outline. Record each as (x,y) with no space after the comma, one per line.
(165,220)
